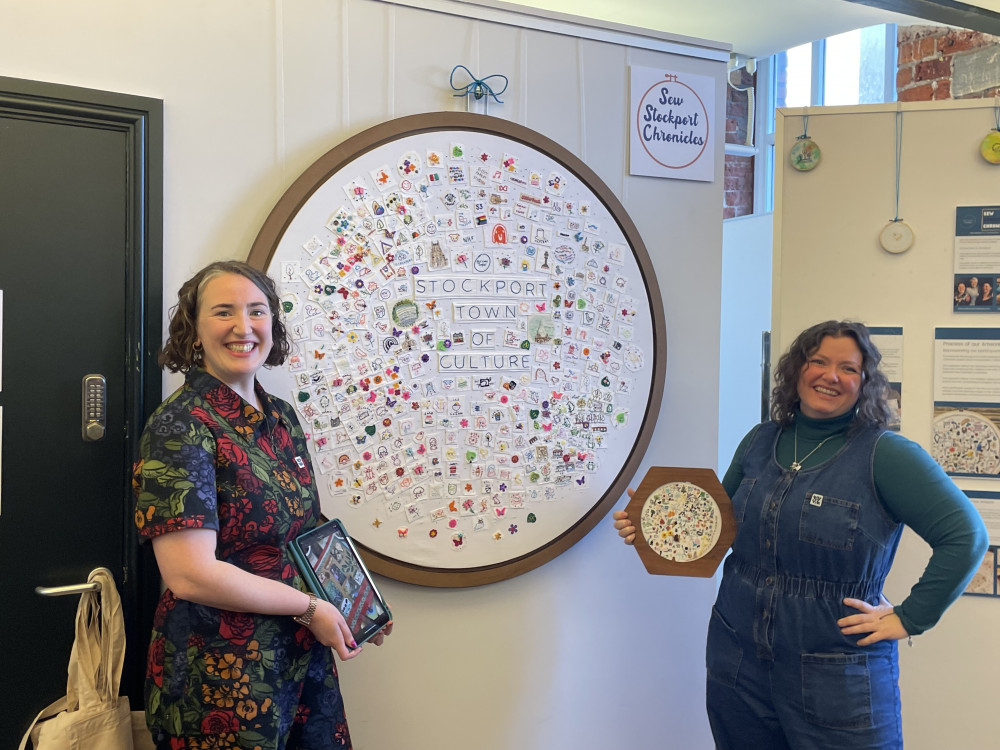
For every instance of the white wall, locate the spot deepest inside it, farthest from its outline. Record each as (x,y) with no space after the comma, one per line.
(828,264)
(587,651)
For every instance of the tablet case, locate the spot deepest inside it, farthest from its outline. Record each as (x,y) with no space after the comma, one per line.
(332,569)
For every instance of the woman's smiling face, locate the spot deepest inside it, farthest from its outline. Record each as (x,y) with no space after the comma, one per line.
(831,379)
(234,329)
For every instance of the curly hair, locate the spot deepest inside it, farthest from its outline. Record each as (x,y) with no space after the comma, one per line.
(871,407)
(179,353)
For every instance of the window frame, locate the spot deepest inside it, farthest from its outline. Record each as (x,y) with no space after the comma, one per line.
(764,118)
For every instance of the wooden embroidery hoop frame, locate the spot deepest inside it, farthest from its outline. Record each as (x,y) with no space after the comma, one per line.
(330,164)
(706,479)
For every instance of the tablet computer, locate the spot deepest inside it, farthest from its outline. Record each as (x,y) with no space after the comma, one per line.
(333,570)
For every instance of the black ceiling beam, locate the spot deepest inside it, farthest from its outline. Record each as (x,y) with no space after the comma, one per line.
(948,12)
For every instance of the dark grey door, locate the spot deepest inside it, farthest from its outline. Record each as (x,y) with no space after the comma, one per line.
(80,275)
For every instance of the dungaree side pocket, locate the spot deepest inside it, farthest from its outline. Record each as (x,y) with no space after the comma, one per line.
(836,690)
(828,521)
(723,653)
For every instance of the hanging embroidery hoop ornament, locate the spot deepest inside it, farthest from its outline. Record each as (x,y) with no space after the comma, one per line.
(989,148)
(805,154)
(897,236)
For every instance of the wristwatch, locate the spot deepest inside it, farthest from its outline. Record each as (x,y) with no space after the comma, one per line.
(307,617)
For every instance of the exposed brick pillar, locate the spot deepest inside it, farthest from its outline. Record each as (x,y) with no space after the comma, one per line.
(941,62)
(739,182)
(738,187)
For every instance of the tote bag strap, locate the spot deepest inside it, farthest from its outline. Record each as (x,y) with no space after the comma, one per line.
(95,664)
(46,713)
(113,635)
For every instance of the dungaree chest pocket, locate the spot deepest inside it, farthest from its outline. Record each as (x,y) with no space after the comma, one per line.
(828,521)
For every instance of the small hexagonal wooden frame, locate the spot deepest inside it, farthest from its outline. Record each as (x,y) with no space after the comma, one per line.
(706,479)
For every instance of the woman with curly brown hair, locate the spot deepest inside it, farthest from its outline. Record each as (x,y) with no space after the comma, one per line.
(801,641)
(240,655)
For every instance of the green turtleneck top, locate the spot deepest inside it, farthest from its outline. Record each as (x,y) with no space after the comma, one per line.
(915,491)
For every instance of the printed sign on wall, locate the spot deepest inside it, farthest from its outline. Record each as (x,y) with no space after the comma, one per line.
(672,116)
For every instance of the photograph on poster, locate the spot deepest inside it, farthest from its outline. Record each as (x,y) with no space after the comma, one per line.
(474,346)
(966,429)
(975,292)
(988,505)
(889,340)
(977,259)
(984,582)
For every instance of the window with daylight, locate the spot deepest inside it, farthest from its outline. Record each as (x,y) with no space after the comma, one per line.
(856,67)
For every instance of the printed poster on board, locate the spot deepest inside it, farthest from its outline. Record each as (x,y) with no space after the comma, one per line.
(889,340)
(671,123)
(966,434)
(977,259)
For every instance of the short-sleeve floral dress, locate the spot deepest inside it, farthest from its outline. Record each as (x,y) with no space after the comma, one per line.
(219,679)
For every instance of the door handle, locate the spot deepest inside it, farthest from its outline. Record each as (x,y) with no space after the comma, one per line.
(78,588)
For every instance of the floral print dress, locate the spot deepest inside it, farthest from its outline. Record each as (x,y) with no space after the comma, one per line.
(219,679)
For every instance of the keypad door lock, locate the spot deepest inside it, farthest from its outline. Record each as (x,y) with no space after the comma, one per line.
(95,406)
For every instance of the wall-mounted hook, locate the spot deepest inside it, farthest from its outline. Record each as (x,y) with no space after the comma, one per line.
(477,88)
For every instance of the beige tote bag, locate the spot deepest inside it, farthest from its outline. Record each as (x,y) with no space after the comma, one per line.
(91,716)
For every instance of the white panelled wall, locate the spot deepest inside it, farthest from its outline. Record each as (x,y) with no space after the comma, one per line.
(587,651)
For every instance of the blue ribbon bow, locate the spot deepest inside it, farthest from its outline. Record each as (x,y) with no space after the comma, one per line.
(477,86)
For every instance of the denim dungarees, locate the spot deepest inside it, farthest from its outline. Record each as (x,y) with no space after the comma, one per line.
(780,673)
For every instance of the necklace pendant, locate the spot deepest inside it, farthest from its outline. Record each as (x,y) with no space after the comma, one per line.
(795,466)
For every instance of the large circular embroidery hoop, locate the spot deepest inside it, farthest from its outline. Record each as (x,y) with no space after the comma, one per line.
(467,243)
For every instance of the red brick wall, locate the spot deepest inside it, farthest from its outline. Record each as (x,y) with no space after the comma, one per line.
(925,62)
(926,57)
(738,187)
(738,190)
